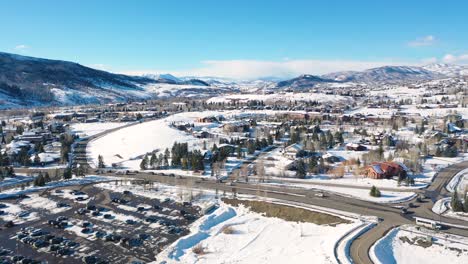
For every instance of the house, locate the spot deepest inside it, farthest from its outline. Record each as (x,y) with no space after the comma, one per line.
(355,147)
(385,170)
(238,127)
(209,119)
(292,150)
(201,134)
(331,158)
(227,148)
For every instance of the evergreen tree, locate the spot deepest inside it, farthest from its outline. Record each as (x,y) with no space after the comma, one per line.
(301,169)
(144,163)
(101,163)
(153,160)
(374,192)
(67,174)
(37,160)
(456,204)
(46,177)
(39,180)
(465,204)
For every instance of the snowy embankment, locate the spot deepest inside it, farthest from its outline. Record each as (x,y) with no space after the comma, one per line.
(91,129)
(356,193)
(407,244)
(249,239)
(458,181)
(8,182)
(12,193)
(442,206)
(343,246)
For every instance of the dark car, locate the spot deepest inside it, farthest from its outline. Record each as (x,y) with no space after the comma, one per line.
(130,222)
(62,204)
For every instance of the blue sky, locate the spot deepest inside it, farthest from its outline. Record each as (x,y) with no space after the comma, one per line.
(238,39)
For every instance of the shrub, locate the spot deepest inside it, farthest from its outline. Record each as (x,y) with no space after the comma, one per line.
(198,249)
(228,230)
(374,192)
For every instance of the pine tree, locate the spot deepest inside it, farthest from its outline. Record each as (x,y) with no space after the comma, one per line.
(374,192)
(144,163)
(46,177)
(456,204)
(37,159)
(67,174)
(101,163)
(465,204)
(301,169)
(153,161)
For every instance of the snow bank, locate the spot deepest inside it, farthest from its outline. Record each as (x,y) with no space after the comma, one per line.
(395,247)
(256,239)
(457,180)
(343,246)
(218,216)
(441,206)
(75,181)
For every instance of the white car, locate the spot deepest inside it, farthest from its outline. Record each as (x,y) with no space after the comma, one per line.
(320,194)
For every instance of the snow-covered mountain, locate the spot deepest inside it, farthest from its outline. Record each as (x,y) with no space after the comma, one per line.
(29,81)
(385,74)
(305,81)
(169,78)
(450,70)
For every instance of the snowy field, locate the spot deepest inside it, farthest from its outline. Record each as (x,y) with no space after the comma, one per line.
(251,237)
(407,245)
(127,146)
(91,129)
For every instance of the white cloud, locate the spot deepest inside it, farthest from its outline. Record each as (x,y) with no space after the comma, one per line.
(21,48)
(424,41)
(460,59)
(254,69)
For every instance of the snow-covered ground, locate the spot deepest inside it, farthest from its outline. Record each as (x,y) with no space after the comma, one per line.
(127,146)
(251,240)
(91,129)
(35,201)
(410,109)
(401,246)
(281,97)
(7,182)
(75,181)
(361,193)
(460,183)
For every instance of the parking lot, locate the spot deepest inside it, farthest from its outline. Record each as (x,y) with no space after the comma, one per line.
(91,225)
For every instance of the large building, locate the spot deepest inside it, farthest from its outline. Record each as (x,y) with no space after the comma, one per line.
(385,170)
